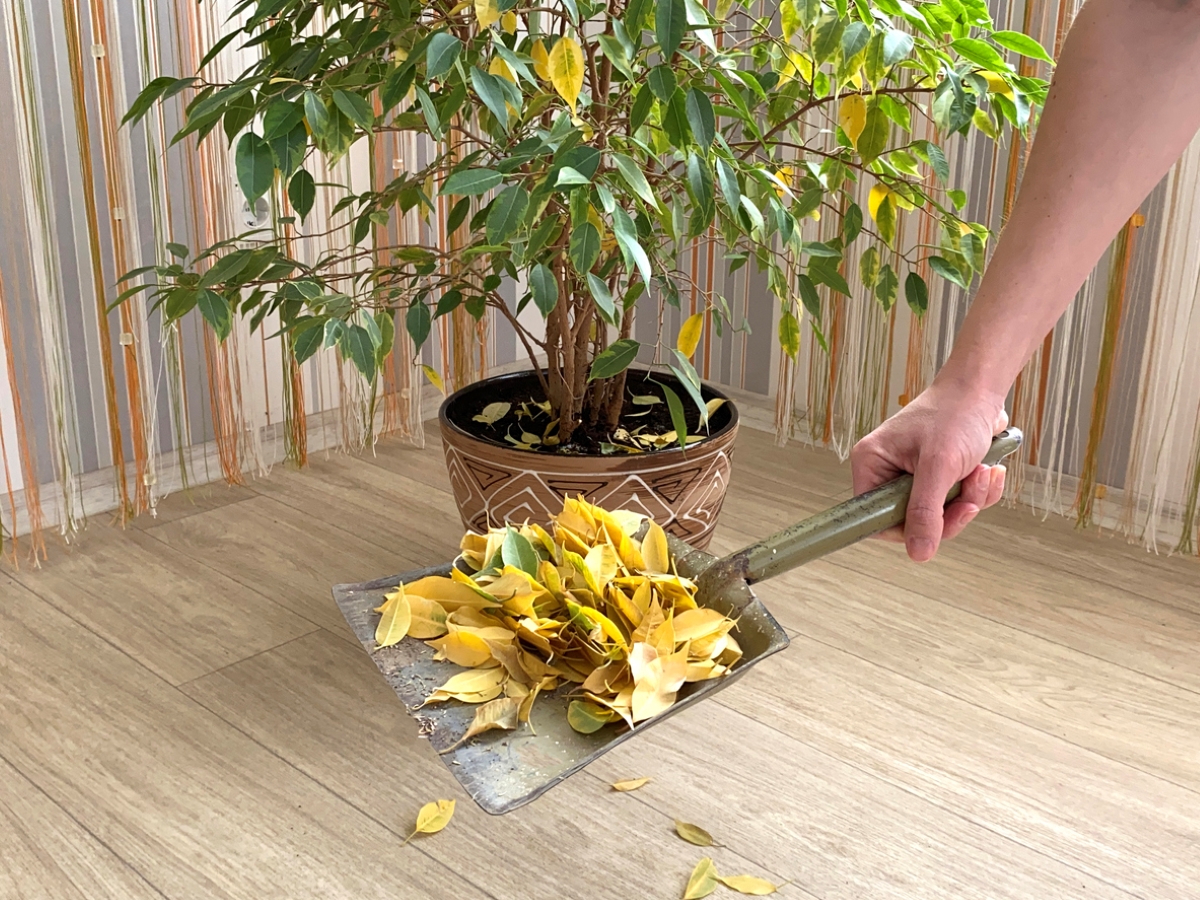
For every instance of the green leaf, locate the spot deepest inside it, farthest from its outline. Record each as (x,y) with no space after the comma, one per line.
(980,52)
(828,38)
(675,122)
(700,117)
(225,269)
(789,18)
(678,419)
(357,345)
(506,213)
(690,379)
(568,177)
(492,93)
(302,193)
(947,271)
(1022,44)
(441,54)
(916,293)
(730,190)
(874,138)
(448,302)
(516,551)
(255,166)
(824,271)
(289,150)
(885,288)
(635,17)
(854,39)
(585,246)
(670,23)
(897,44)
(635,178)
(868,267)
(544,287)
(158,89)
(418,322)
(471,182)
(700,185)
(603,297)
(280,118)
(932,154)
(614,359)
(177,250)
(852,223)
(317,114)
(809,297)
(238,115)
(641,107)
(662,83)
(307,342)
(632,251)
(355,108)
(215,310)
(789,333)
(818,248)
(972,248)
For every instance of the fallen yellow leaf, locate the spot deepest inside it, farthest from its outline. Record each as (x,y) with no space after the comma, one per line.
(693,834)
(631,784)
(497,714)
(463,649)
(428,618)
(433,817)
(748,884)
(703,881)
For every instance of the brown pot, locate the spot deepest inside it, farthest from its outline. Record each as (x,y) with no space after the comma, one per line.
(494,483)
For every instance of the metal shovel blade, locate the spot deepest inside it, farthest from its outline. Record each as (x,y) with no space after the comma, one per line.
(502,771)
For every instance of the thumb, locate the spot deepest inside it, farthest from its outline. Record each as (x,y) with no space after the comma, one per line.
(925,519)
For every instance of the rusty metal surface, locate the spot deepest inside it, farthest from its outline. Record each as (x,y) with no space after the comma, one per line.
(502,771)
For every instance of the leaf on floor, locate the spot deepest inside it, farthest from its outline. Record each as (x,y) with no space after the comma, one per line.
(433,817)
(703,882)
(748,884)
(693,834)
(630,785)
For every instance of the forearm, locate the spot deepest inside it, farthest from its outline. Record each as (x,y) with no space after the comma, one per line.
(1123,105)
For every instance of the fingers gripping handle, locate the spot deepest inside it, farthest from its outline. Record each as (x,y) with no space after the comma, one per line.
(849,522)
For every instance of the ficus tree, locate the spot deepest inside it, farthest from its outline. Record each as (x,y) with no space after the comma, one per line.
(576,147)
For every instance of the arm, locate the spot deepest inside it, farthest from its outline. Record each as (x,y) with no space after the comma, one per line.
(1122,107)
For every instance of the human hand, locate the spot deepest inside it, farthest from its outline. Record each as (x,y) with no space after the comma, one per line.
(940,438)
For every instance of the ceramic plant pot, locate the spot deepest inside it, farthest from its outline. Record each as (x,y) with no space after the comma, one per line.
(494,482)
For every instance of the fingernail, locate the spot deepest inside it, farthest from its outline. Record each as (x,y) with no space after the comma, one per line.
(920,549)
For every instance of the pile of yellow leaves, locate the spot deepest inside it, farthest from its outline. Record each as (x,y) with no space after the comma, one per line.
(589,605)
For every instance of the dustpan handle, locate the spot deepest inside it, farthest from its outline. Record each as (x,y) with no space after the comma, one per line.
(845,524)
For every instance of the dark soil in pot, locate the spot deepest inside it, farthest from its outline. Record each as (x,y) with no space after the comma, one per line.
(527,419)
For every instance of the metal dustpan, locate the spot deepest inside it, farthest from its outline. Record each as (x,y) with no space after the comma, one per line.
(504,770)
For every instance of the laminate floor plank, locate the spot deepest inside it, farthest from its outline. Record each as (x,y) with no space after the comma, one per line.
(160,605)
(323,707)
(190,803)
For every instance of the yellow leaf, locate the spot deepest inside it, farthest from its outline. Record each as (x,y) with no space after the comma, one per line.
(508,22)
(487,12)
(434,378)
(694,624)
(714,404)
(450,593)
(499,67)
(394,620)
(428,618)
(852,116)
(566,69)
(631,785)
(878,194)
(748,884)
(475,681)
(654,550)
(693,834)
(498,714)
(463,649)
(541,60)
(703,881)
(796,65)
(433,817)
(996,84)
(689,335)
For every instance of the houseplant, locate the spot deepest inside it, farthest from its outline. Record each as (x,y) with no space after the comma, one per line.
(573,148)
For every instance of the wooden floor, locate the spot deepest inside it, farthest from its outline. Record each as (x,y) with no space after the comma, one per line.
(184,714)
